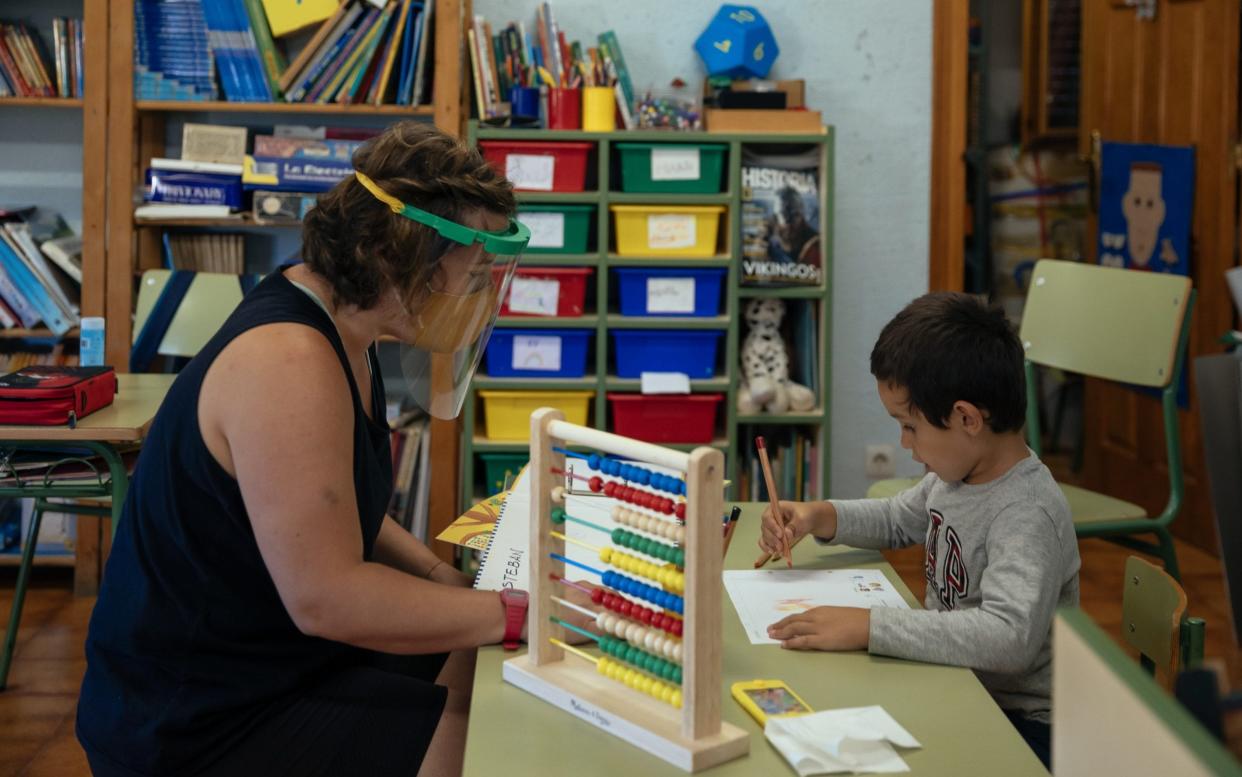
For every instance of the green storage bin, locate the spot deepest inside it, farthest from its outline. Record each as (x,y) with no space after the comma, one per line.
(496,466)
(550,235)
(641,175)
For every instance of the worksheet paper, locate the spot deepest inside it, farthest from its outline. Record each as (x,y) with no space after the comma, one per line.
(764,596)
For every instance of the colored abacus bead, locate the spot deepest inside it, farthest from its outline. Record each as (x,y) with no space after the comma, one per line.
(558,495)
(558,515)
(593,461)
(596,483)
(680,510)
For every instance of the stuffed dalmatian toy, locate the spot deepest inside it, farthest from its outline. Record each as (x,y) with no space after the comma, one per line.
(766,386)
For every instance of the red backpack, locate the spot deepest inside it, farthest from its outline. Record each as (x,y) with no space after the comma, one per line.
(51,396)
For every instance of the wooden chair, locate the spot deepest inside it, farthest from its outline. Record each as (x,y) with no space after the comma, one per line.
(1118,325)
(1154,622)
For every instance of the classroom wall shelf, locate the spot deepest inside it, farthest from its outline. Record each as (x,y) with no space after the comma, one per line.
(42,102)
(35,334)
(221,106)
(603,303)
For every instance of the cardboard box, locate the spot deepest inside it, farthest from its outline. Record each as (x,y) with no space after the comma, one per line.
(800,122)
(794,89)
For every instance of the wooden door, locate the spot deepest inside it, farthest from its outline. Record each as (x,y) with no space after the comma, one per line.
(1171,78)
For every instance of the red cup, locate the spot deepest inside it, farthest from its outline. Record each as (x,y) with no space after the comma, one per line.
(564,109)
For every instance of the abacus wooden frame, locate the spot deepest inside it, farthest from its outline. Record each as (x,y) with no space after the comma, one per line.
(694,737)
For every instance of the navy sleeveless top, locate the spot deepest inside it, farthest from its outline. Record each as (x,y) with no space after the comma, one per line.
(189,641)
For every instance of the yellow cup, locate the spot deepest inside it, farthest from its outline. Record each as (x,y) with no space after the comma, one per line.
(598,109)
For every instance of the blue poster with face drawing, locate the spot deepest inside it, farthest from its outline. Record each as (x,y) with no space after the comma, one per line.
(1146,199)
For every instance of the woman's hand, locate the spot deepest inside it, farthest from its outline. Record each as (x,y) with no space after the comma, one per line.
(824,628)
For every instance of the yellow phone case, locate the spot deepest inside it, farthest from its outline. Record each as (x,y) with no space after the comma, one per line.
(739,692)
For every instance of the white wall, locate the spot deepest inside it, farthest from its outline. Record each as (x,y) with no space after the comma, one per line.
(867,66)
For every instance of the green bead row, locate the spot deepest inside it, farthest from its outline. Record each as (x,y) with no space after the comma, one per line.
(649,547)
(624,651)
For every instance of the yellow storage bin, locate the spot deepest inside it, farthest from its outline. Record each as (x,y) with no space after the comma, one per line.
(506,414)
(667,230)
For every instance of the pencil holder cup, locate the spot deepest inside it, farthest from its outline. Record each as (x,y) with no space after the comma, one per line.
(598,109)
(524,102)
(564,109)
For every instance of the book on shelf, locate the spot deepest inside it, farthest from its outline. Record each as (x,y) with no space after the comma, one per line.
(32,289)
(156,211)
(794,455)
(781,243)
(289,16)
(290,147)
(189,184)
(29,69)
(66,252)
(298,175)
(411,473)
(217,143)
(216,253)
(173,57)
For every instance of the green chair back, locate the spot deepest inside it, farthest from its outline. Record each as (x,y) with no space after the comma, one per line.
(207,305)
(1119,325)
(1154,622)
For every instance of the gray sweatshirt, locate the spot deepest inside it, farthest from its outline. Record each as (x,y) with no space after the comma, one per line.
(1000,557)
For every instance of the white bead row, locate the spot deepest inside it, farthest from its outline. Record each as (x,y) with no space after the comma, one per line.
(650,639)
(669,530)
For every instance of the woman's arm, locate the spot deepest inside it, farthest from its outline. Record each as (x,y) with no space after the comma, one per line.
(397,548)
(279,401)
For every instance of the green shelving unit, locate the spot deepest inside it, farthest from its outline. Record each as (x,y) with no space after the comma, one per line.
(601,319)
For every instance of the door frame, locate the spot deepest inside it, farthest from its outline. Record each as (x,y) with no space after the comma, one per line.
(947,204)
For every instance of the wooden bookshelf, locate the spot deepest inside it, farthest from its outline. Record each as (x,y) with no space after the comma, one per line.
(221,106)
(40,560)
(39,333)
(43,102)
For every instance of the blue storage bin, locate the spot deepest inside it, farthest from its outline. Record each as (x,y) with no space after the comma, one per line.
(661,350)
(674,297)
(538,359)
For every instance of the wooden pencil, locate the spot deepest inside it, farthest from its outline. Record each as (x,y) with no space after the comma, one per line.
(776,505)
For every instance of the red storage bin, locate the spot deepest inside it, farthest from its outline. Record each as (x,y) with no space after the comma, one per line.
(539,166)
(531,292)
(685,418)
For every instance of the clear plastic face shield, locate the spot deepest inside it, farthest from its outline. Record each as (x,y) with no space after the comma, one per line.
(454,314)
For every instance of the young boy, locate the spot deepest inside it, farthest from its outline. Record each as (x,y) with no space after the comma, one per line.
(1001,553)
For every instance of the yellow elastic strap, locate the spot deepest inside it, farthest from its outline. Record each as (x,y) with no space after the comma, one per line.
(392,202)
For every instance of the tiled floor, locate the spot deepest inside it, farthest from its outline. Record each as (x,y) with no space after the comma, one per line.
(37,711)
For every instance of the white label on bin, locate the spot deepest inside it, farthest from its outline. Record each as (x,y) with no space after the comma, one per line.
(674,163)
(537,353)
(670,295)
(665,383)
(530,171)
(670,230)
(534,295)
(547,230)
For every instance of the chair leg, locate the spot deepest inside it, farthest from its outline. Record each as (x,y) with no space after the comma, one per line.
(1168,552)
(19,596)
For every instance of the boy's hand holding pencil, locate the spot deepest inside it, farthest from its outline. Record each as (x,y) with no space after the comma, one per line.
(790,522)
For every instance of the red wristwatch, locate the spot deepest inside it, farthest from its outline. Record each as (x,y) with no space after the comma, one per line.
(515,602)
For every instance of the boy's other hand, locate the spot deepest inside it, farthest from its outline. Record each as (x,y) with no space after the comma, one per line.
(797,520)
(824,628)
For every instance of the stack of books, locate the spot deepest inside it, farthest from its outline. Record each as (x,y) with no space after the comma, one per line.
(34,290)
(411,474)
(220,253)
(185,189)
(172,57)
(303,165)
(367,54)
(27,71)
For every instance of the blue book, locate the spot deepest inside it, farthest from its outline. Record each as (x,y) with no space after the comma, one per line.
(29,287)
(325,58)
(221,36)
(409,57)
(259,90)
(26,314)
(194,188)
(296,175)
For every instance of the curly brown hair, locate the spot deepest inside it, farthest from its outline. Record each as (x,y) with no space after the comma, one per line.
(361,247)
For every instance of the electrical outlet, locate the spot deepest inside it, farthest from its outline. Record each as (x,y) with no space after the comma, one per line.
(881,461)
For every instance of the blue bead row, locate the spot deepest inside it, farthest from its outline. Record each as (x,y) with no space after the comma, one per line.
(649,593)
(636,474)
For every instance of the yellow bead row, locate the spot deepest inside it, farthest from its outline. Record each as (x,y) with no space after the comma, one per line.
(650,639)
(640,682)
(669,530)
(668,576)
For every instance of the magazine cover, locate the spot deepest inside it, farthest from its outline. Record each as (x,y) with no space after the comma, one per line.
(781,243)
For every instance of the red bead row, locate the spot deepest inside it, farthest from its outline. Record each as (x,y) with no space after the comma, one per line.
(636,612)
(638,497)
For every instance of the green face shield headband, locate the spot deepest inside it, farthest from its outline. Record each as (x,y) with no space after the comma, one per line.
(507,242)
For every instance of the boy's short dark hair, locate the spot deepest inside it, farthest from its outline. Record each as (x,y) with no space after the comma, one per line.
(945,347)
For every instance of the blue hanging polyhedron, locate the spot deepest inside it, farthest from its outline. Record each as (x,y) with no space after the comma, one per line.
(737,43)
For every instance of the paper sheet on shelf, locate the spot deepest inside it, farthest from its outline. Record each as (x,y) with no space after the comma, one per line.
(858,740)
(764,596)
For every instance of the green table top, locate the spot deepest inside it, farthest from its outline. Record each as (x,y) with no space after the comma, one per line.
(961,729)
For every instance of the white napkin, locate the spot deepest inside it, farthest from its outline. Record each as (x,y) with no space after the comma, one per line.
(857,739)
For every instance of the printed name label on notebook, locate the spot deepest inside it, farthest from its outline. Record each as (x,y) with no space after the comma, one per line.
(530,171)
(675,164)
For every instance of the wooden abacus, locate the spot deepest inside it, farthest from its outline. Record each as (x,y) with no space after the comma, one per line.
(681,725)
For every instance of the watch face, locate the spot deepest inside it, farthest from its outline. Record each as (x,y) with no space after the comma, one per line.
(515,595)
